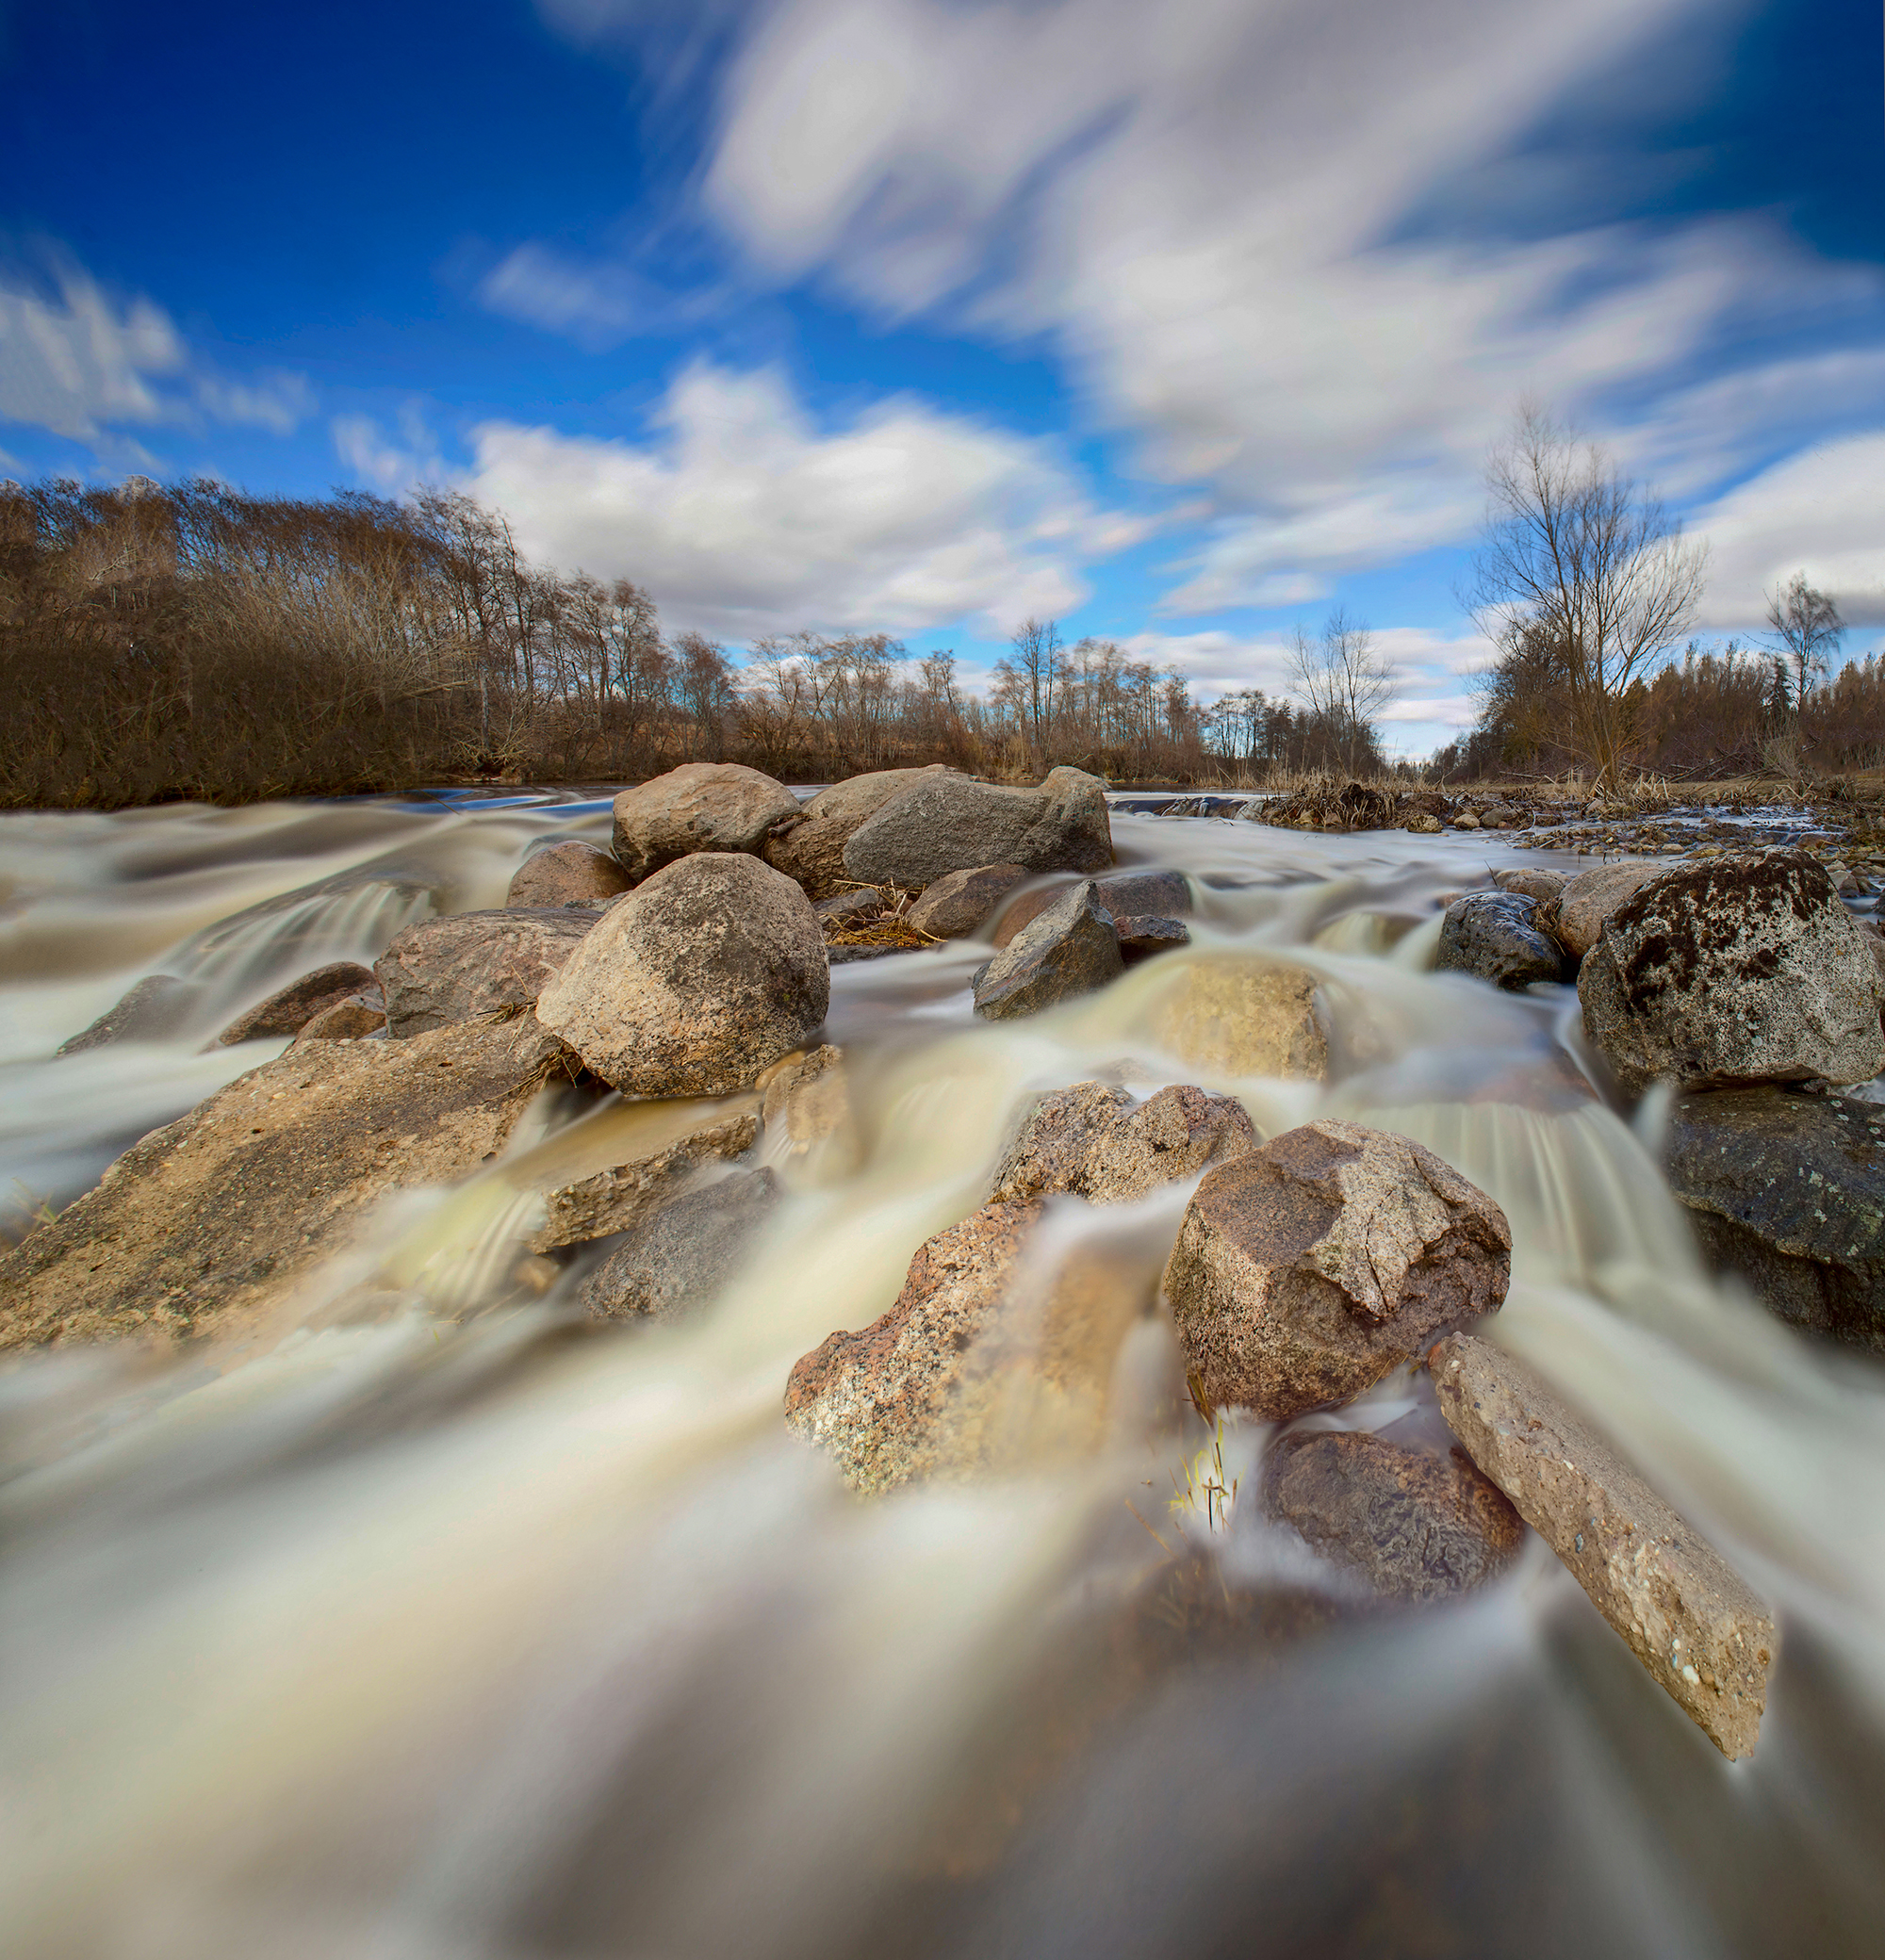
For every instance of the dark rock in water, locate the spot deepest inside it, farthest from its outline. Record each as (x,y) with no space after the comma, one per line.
(290,1009)
(685,1254)
(1140,938)
(1306,1270)
(1413,1525)
(1740,970)
(625,1197)
(1496,935)
(159,1006)
(1788,1190)
(698,806)
(474,964)
(566,875)
(1069,950)
(945,821)
(956,904)
(1098,1143)
(1165,894)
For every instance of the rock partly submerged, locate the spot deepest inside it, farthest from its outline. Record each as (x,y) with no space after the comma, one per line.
(471,965)
(1239,1014)
(570,873)
(1692,1621)
(1496,935)
(1099,1142)
(1308,1268)
(675,1261)
(289,1009)
(1069,950)
(957,904)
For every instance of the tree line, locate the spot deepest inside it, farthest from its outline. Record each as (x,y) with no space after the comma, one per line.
(193,640)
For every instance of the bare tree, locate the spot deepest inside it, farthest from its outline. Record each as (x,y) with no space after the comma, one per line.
(1031,675)
(1341,677)
(1578,553)
(1807,626)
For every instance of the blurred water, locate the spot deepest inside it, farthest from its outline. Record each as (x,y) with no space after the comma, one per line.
(491,1632)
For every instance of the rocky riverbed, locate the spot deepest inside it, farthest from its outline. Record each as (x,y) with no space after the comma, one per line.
(895,1366)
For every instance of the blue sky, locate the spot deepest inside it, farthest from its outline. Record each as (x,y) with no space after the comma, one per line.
(1179,319)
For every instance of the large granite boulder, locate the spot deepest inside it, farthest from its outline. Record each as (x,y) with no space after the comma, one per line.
(572,874)
(1743,969)
(1788,1190)
(214,1221)
(698,806)
(1072,949)
(809,845)
(1685,1613)
(684,1252)
(1307,1270)
(1099,1143)
(290,1008)
(697,981)
(945,821)
(1496,935)
(472,965)
(955,905)
(1409,1524)
(1591,897)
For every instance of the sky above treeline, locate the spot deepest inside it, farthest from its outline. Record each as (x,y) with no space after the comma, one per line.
(1178,321)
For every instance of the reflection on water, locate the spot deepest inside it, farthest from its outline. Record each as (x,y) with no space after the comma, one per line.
(495,1633)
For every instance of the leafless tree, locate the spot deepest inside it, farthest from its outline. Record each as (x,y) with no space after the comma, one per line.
(1031,675)
(1578,553)
(1341,676)
(1807,624)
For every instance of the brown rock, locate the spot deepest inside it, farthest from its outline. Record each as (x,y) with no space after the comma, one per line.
(216,1218)
(1240,1015)
(1069,950)
(349,1019)
(1413,1525)
(290,1009)
(1307,1270)
(1101,1145)
(810,845)
(698,806)
(572,874)
(473,965)
(956,904)
(965,1375)
(700,979)
(1140,938)
(625,1196)
(1685,1613)
(1530,881)
(1591,897)
(684,1252)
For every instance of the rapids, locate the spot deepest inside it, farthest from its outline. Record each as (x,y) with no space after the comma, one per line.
(478,1632)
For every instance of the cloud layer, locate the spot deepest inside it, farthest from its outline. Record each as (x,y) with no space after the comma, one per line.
(745,517)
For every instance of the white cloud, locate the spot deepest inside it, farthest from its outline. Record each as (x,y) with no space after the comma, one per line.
(1210,205)
(78,363)
(743,517)
(390,468)
(597,306)
(1817,513)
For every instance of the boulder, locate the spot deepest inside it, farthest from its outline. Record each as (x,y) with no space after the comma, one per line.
(1140,938)
(349,1019)
(215,1218)
(1100,1144)
(1239,1015)
(290,1009)
(1165,894)
(956,904)
(945,823)
(158,1008)
(1410,1524)
(809,848)
(1788,1190)
(699,807)
(472,965)
(1307,1270)
(1072,949)
(700,979)
(572,874)
(1496,935)
(1685,1611)
(1424,823)
(1740,970)
(623,1197)
(970,1373)
(684,1252)
(1546,886)
(1591,897)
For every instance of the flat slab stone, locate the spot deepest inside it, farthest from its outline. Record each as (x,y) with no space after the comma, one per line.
(1685,1613)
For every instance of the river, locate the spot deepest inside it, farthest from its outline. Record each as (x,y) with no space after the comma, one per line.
(479,1632)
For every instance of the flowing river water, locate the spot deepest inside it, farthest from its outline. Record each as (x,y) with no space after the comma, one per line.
(476,1631)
